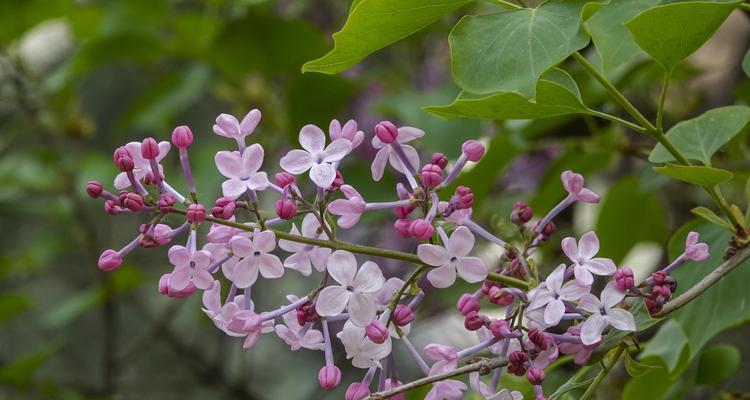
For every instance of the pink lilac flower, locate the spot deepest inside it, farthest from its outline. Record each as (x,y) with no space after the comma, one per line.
(693,250)
(306,256)
(316,157)
(582,255)
(142,165)
(228,126)
(452,258)
(356,289)
(552,294)
(189,268)
(573,184)
(488,393)
(250,325)
(348,131)
(582,352)
(350,209)
(603,314)
(242,171)
(255,258)
(363,352)
(386,153)
(298,336)
(446,359)
(222,315)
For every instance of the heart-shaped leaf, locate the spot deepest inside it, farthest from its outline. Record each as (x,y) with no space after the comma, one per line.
(704,176)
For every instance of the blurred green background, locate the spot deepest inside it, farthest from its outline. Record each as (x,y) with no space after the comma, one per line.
(79,78)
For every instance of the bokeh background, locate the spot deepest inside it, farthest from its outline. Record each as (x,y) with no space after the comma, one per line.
(79,78)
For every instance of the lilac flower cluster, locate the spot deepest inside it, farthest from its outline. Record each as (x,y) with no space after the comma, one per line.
(543,316)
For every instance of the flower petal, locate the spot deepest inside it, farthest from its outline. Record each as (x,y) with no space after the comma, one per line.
(233,188)
(178,255)
(264,241)
(555,279)
(227,125)
(180,278)
(471,269)
(570,248)
(229,164)
(553,312)
(258,181)
(407,134)
(343,267)
(611,295)
(296,161)
(582,274)
(600,266)
(590,303)
(312,138)
(620,319)
(323,175)
(202,279)
(332,300)
(588,246)
(211,297)
(592,328)
(250,121)
(573,290)
(252,158)
(245,272)
(241,246)
(379,162)
(442,277)
(369,278)
(461,242)
(270,266)
(362,309)
(337,150)
(433,255)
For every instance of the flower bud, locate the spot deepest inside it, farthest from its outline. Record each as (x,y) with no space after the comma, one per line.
(131,201)
(109,260)
(377,332)
(357,391)
(521,213)
(402,315)
(549,229)
(431,175)
(223,208)
(177,294)
(306,313)
(473,321)
(473,150)
(286,209)
(94,189)
(464,197)
(386,132)
(466,304)
(535,376)
(439,159)
(402,227)
(539,338)
(338,180)
(123,159)
(149,148)
(284,179)
(196,213)
(404,211)
(500,328)
(516,361)
(110,207)
(421,229)
(165,203)
(499,296)
(154,236)
(182,137)
(624,279)
(661,291)
(653,305)
(329,377)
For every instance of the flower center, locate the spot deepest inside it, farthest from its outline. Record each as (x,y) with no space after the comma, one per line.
(192,264)
(602,311)
(256,253)
(454,259)
(350,288)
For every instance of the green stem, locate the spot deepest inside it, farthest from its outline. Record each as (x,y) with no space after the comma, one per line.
(603,373)
(662,99)
(745,6)
(505,4)
(618,120)
(507,280)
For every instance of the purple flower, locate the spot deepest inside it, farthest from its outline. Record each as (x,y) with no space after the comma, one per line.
(348,131)
(228,126)
(488,393)
(142,165)
(573,183)
(316,157)
(255,258)
(452,258)
(582,255)
(298,336)
(386,154)
(306,256)
(603,314)
(242,171)
(446,359)
(189,268)
(693,250)
(552,293)
(349,209)
(363,352)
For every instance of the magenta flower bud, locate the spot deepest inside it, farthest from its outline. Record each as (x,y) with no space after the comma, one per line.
(377,332)
(196,213)
(178,294)
(338,180)
(535,376)
(286,209)
(404,211)
(357,391)
(284,179)
(109,260)
(653,305)
(149,148)
(439,159)
(182,137)
(466,304)
(549,229)
(473,321)
(661,291)
(123,159)
(487,285)
(329,377)
(500,328)
(539,338)
(110,207)
(223,208)
(431,175)
(386,132)
(516,361)
(131,201)
(165,203)
(521,213)
(402,227)
(624,279)
(473,150)
(421,229)
(402,315)
(499,296)
(306,313)
(94,189)
(465,197)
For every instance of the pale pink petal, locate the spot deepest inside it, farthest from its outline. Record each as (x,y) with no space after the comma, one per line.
(323,175)
(342,266)
(299,262)
(180,278)
(570,248)
(334,130)
(250,121)
(553,312)
(573,291)
(337,150)
(555,279)
(471,269)
(588,246)
(620,319)
(588,196)
(296,161)
(611,296)
(592,328)
(264,241)
(227,125)
(600,266)
(461,242)
(433,255)
(312,138)
(412,158)
(442,277)
(572,182)
(229,164)
(691,239)
(407,134)
(270,266)
(349,191)
(233,188)
(582,274)
(362,309)
(211,297)
(245,272)
(310,225)
(251,339)
(258,181)
(378,164)
(369,278)
(202,279)
(539,297)
(332,300)
(440,352)
(241,246)
(122,181)
(178,255)
(590,303)
(202,259)
(252,158)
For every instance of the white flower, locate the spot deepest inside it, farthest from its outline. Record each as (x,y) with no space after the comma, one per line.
(582,255)
(363,352)
(306,256)
(255,258)
(316,157)
(242,171)
(552,293)
(451,259)
(604,313)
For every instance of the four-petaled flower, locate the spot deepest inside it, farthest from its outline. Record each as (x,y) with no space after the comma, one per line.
(452,258)
(297,336)
(604,313)
(356,289)
(363,352)
(693,250)
(189,268)
(220,314)
(242,171)
(348,131)
(349,209)
(255,258)
(306,256)
(573,184)
(316,157)
(386,154)
(552,295)
(142,166)
(446,359)
(228,126)
(582,255)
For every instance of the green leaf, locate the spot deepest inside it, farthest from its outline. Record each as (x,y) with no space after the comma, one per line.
(634,368)
(699,138)
(717,364)
(627,204)
(671,32)
(13,304)
(671,346)
(650,386)
(746,63)
(571,384)
(556,94)
(19,372)
(508,51)
(704,176)
(375,24)
(711,216)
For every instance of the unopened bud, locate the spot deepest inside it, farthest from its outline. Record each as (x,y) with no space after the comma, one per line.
(500,328)
(467,303)
(624,279)
(473,150)
(166,201)
(131,201)
(535,376)
(357,391)
(94,189)
(196,213)
(286,209)
(149,148)
(473,321)
(182,136)
(329,377)
(431,175)
(403,315)
(421,229)
(377,332)
(109,260)
(464,197)
(439,159)
(386,132)
(402,227)
(521,213)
